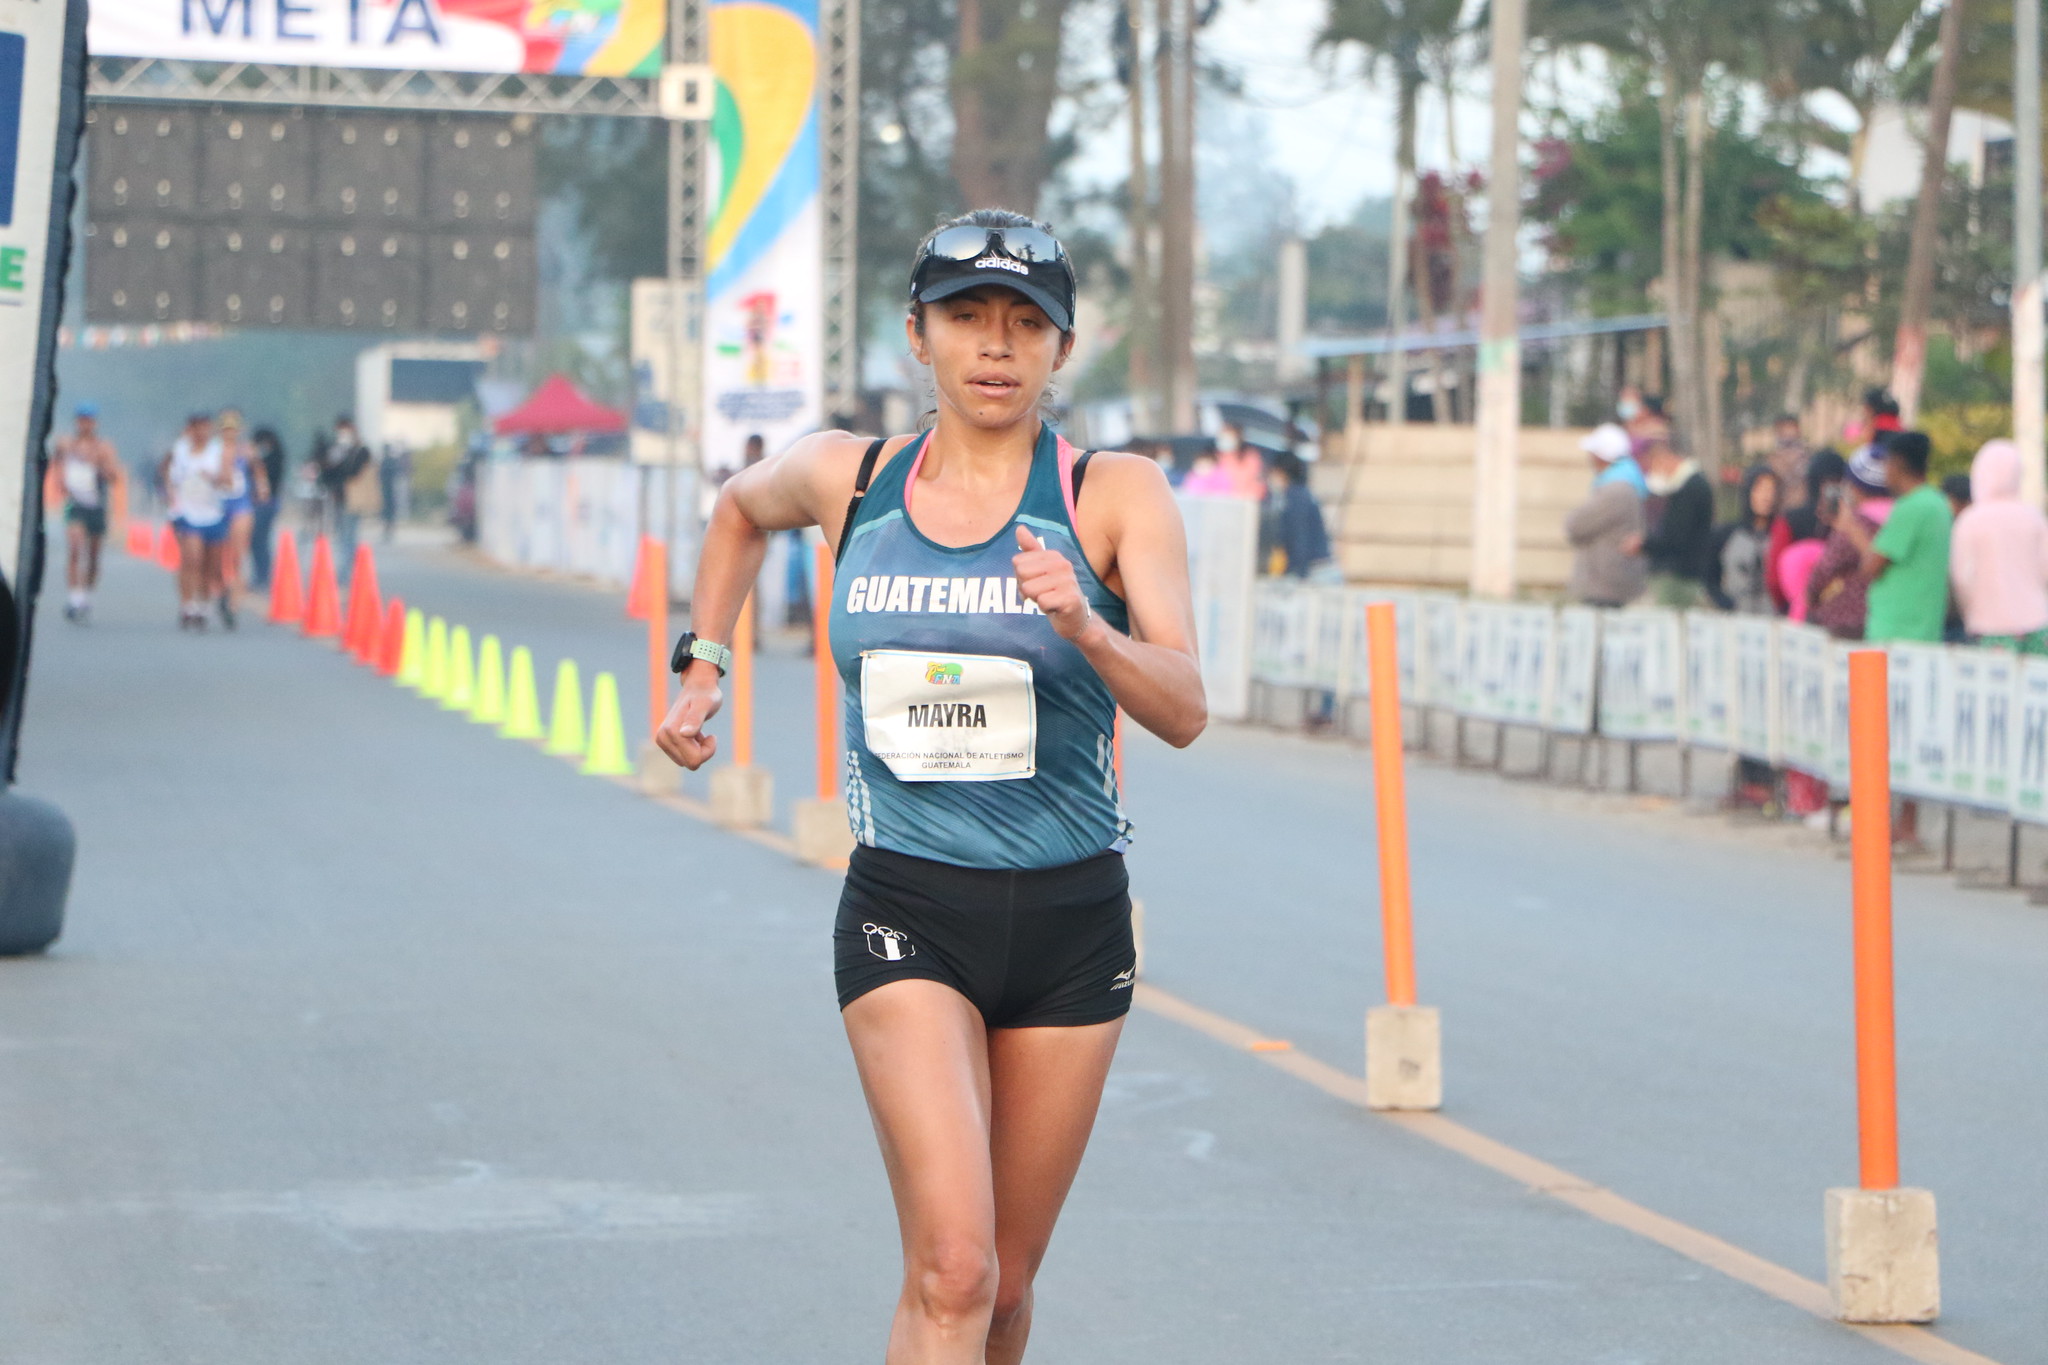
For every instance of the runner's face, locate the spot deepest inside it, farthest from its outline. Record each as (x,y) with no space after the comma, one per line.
(992,351)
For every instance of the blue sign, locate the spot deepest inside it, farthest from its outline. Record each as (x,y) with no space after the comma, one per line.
(13,56)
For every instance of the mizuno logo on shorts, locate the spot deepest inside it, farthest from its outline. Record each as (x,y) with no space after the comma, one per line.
(1123,979)
(1002,263)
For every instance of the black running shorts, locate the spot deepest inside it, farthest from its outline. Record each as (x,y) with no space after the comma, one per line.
(1043,947)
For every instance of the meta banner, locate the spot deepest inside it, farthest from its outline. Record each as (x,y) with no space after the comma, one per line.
(42,112)
(763,340)
(563,37)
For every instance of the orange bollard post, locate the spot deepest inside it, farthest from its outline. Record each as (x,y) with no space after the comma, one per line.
(322,617)
(742,795)
(1403,1040)
(1883,1262)
(636,588)
(822,836)
(1870,844)
(657,772)
(741,685)
(1390,790)
(287,592)
(827,678)
(658,643)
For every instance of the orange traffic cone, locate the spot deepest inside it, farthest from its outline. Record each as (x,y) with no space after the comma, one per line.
(637,601)
(391,643)
(323,605)
(138,540)
(167,548)
(365,608)
(287,589)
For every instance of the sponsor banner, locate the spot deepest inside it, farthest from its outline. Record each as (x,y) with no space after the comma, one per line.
(1804,673)
(1709,680)
(1963,724)
(1997,684)
(764,289)
(583,517)
(2029,758)
(1223,541)
(1641,675)
(1576,672)
(1755,657)
(663,373)
(1442,624)
(561,37)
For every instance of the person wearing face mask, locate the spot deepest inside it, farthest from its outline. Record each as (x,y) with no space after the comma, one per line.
(1244,471)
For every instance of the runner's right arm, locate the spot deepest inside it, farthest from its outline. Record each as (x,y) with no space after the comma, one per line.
(782,493)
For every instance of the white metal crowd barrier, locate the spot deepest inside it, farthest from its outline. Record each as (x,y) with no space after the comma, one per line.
(1969,725)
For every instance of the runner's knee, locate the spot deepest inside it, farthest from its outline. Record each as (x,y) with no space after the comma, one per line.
(1013,1300)
(954,1278)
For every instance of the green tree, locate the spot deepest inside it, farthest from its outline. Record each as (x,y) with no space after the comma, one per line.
(1412,42)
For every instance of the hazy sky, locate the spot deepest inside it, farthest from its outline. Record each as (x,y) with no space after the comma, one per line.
(1326,127)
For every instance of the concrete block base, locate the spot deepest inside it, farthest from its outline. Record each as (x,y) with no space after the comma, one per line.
(742,798)
(655,773)
(1883,1263)
(1403,1057)
(822,836)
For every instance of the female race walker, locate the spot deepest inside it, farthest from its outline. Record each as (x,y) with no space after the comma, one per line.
(991,611)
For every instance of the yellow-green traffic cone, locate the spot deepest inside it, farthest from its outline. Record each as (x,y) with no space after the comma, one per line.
(434,677)
(489,706)
(461,693)
(565,724)
(412,654)
(606,756)
(522,702)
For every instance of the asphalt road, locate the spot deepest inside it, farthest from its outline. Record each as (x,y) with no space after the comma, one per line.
(375,1037)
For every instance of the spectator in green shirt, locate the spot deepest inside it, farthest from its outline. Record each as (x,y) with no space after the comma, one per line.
(1907,565)
(1907,561)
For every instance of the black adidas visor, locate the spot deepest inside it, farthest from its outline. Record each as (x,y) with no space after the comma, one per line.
(1024,259)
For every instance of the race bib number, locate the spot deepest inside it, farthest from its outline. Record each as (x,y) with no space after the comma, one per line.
(949,717)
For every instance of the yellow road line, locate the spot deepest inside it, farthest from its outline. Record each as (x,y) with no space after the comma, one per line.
(1916,1343)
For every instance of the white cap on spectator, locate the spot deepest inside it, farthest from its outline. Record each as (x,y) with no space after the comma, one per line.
(1606,443)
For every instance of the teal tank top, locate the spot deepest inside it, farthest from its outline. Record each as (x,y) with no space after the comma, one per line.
(898,591)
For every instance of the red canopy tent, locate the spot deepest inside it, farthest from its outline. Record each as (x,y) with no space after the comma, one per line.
(557,408)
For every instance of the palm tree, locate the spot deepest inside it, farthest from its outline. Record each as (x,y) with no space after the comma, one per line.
(1405,39)
(1682,41)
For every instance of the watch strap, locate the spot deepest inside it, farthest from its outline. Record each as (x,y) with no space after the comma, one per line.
(689,648)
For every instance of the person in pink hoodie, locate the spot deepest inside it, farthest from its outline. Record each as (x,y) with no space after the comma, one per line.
(1998,556)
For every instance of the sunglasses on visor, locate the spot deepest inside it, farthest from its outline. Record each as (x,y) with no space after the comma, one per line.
(1033,246)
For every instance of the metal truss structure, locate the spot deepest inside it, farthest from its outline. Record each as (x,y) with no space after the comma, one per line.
(839,186)
(469,92)
(156,78)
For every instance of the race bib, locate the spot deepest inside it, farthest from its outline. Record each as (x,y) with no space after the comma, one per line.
(949,717)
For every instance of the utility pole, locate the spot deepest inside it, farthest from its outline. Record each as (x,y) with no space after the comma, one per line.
(1500,350)
(1909,349)
(1174,79)
(2028,380)
(1397,290)
(1140,326)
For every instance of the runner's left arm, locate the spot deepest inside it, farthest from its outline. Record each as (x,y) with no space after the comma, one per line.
(1152,672)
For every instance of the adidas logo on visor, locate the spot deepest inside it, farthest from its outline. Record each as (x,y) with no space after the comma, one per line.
(994,262)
